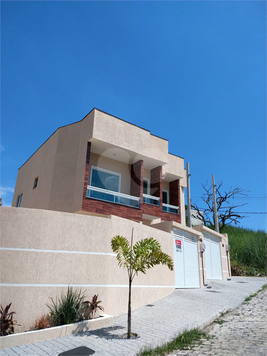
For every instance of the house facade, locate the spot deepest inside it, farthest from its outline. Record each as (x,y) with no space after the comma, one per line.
(90,181)
(104,166)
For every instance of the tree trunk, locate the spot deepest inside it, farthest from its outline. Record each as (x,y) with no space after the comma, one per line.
(129,310)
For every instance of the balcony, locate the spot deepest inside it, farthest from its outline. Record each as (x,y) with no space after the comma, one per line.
(112,197)
(170,208)
(150,199)
(127,200)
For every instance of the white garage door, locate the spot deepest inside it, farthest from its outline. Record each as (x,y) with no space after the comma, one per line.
(212,257)
(186,260)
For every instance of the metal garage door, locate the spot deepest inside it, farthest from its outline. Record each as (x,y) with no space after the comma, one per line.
(185,260)
(212,257)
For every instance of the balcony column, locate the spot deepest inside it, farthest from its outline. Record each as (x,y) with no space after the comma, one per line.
(87,169)
(137,173)
(156,183)
(174,187)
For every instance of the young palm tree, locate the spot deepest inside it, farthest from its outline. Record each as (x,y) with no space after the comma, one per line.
(138,258)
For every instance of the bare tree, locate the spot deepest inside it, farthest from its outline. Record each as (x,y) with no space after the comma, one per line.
(225,207)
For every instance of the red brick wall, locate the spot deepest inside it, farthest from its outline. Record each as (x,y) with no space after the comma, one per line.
(105,208)
(157,211)
(174,187)
(87,170)
(156,182)
(137,171)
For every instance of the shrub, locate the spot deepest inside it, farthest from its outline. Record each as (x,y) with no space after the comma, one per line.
(68,308)
(248,251)
(6,321)
(43,322)
(93,306)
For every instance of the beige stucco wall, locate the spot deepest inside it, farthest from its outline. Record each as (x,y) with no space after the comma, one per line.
(44,251)
(40,164)
(116,132)
(60,161)
(113,165)
(225,260)
(60,165)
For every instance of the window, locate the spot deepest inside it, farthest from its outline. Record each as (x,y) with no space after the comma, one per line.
(19,200)
(35,183)
(165,197)
(104,179)
(146,186)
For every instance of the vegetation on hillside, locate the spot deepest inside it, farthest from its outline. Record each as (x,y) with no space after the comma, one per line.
(248,251)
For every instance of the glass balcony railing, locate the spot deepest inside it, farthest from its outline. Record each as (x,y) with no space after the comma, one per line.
(112,197)
(127,200)
(170,208)
(150,199)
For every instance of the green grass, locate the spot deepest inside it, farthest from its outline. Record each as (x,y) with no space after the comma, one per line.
(248,299)
(181,342)
(248,251)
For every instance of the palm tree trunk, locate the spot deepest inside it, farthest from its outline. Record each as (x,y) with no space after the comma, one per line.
(129,309)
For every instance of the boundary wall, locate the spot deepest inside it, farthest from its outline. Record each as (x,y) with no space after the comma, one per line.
(42,252)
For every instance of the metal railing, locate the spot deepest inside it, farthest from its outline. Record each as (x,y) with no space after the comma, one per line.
(112,197)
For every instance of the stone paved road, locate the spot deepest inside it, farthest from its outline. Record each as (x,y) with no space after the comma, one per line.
(241,332)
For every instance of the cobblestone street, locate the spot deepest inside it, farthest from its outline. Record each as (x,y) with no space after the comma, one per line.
(242,332)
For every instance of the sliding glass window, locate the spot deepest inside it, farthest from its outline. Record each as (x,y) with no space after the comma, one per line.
(104,179)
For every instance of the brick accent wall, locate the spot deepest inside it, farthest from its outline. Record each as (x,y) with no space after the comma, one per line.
(156,182)
(157,211)
(106,208)
(174,187)
(87,170)
(137,171)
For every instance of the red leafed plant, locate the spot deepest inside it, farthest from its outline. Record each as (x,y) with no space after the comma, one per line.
(42,322)
(94,305)
(6,321)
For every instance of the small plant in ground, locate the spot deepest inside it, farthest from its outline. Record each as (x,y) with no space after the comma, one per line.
(43,322)
(7,322)
(140,257)
(68,309)
(262,288)
(248,299)
(219,321)
(93,306)
(223,313)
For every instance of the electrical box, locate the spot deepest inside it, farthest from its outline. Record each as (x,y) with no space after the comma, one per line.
(202,247)
(227,248)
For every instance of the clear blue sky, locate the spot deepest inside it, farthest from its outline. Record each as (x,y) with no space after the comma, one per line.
(192,72)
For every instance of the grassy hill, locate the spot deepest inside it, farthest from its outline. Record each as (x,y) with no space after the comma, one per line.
(248,251)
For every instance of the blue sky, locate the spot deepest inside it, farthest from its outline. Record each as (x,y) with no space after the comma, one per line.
(192,72)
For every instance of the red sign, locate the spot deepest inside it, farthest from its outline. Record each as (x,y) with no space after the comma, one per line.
(178,242)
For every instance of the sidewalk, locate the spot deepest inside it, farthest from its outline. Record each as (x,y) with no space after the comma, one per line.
(155,324)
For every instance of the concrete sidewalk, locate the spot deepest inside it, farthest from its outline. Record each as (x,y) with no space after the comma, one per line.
(155,324)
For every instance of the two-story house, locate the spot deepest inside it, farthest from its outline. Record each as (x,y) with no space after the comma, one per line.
(101,166)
